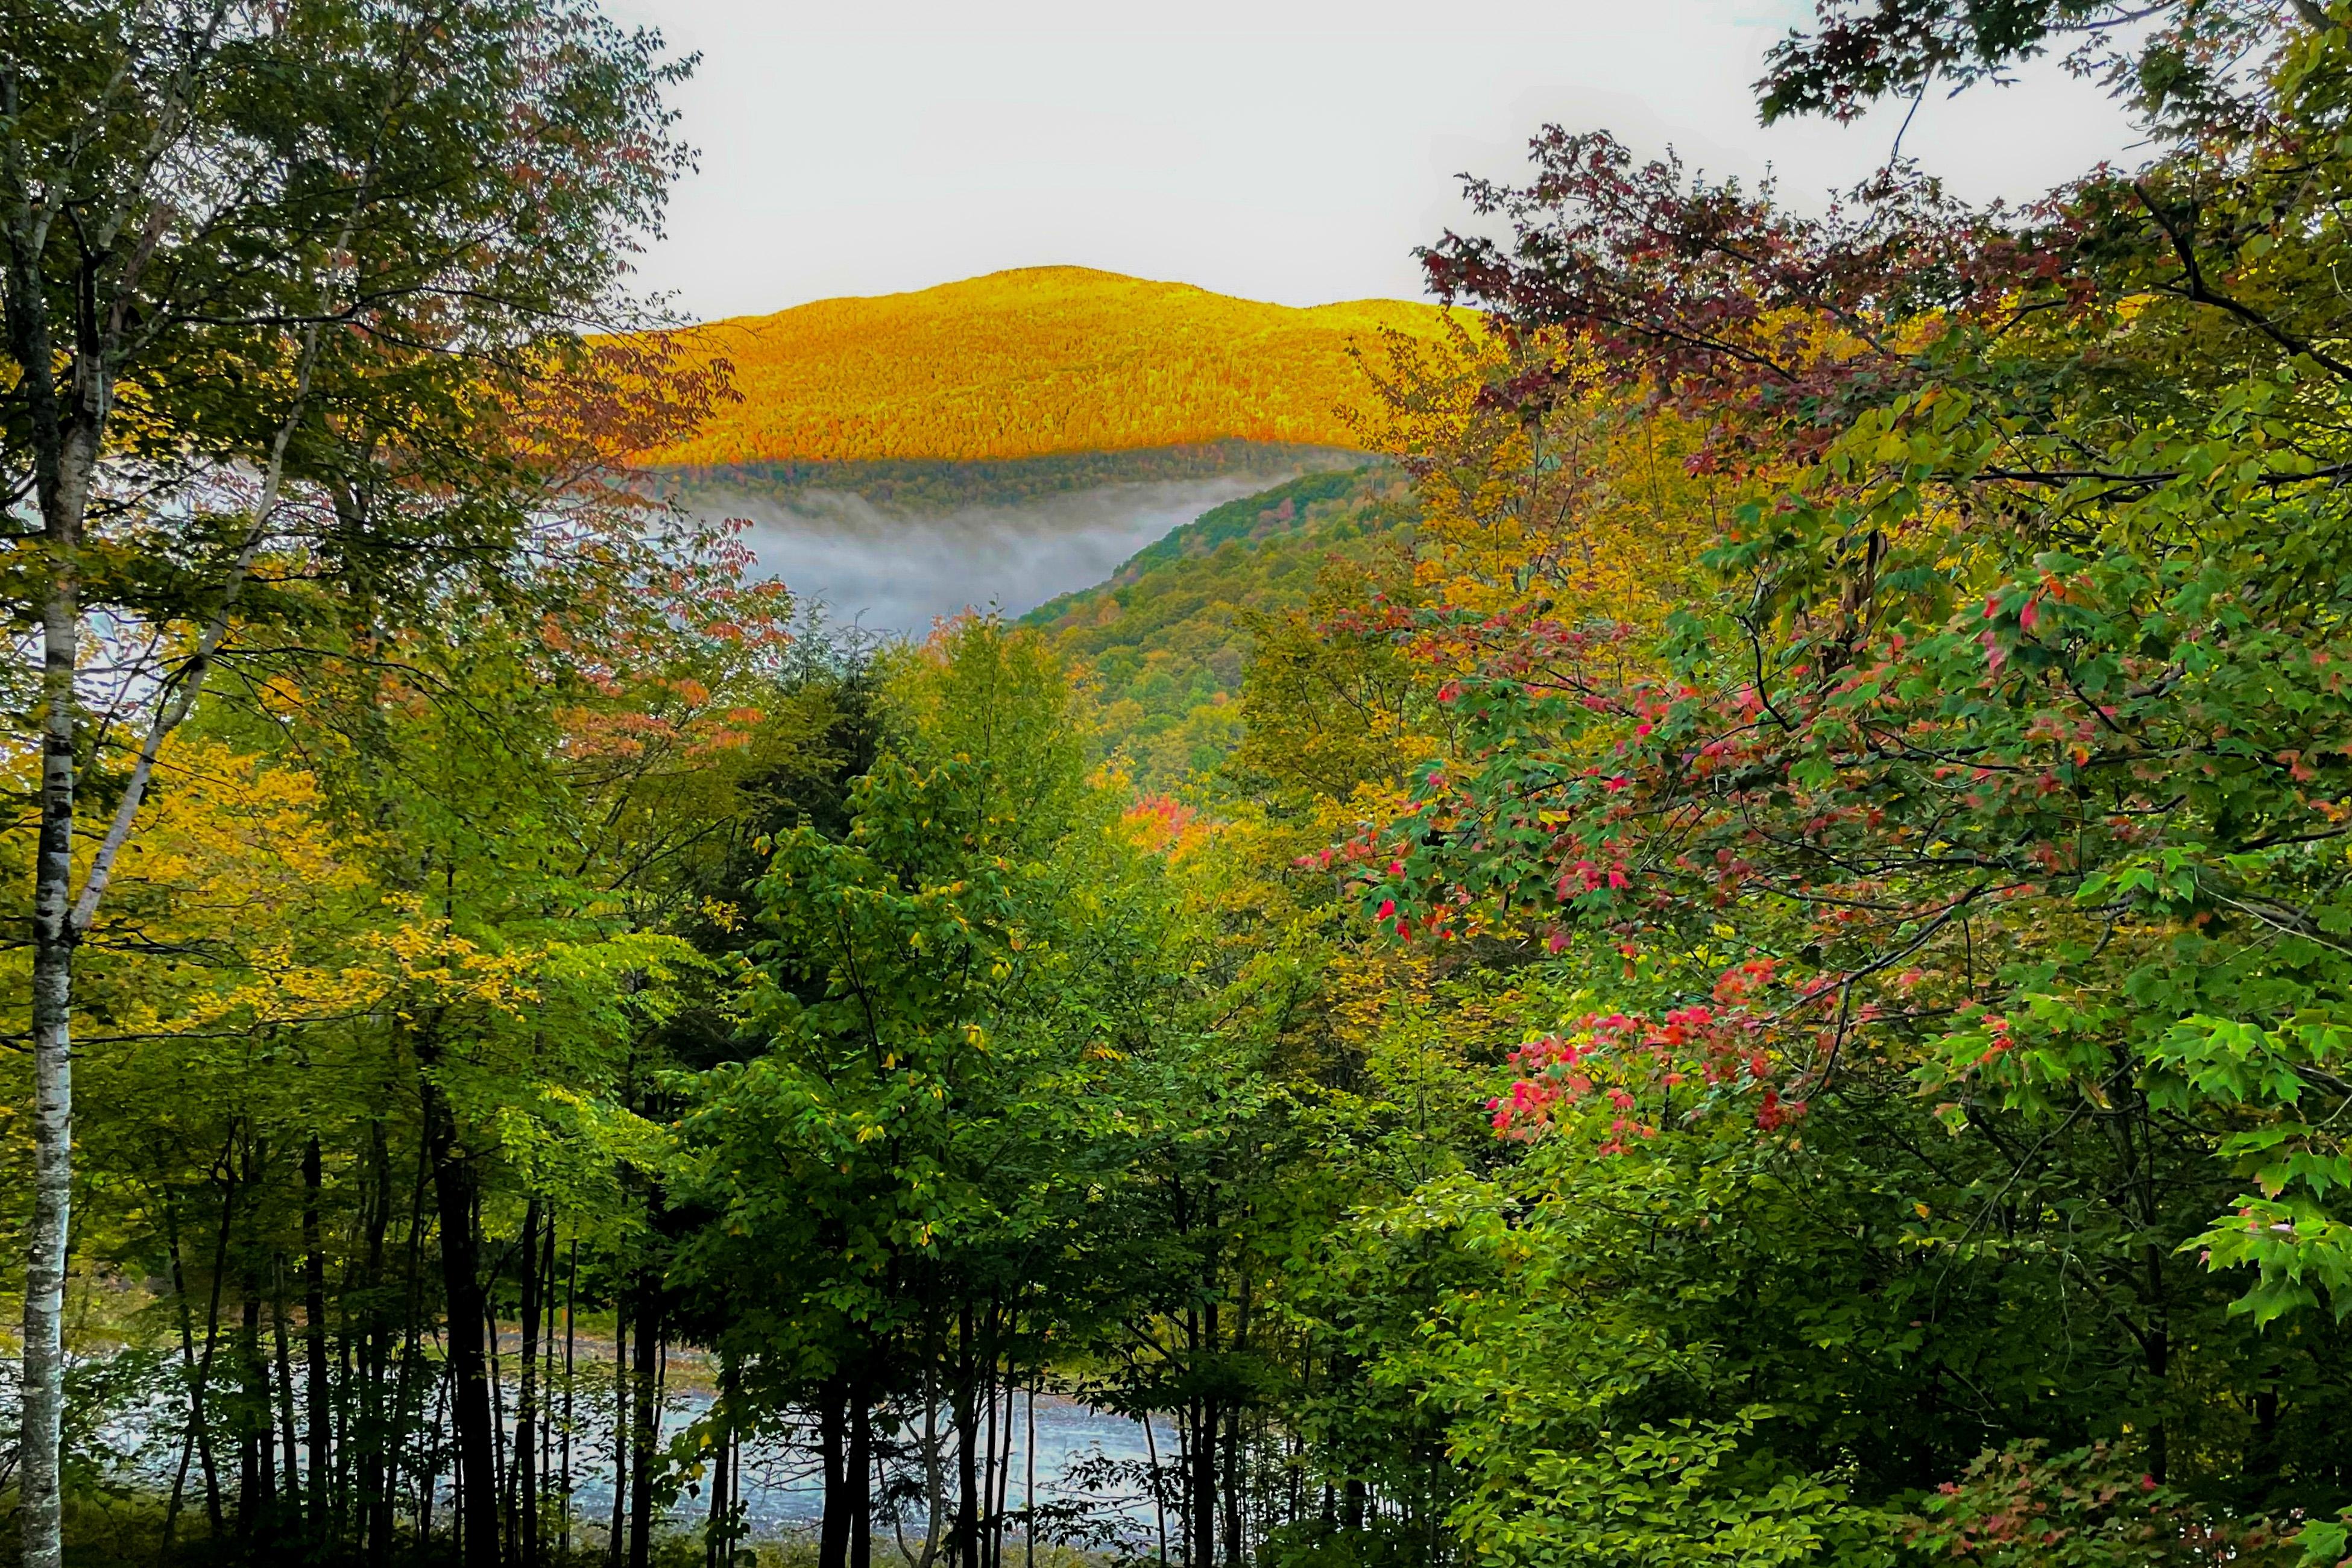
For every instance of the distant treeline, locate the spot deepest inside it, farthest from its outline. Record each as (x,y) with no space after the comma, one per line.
(926,486)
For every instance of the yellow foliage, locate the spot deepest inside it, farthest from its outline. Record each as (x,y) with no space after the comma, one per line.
(234,902)
(1037,361)
(429,965)
(226,840)
(1600,506)
(236,905)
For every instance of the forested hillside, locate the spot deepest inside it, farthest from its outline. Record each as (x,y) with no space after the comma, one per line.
(1164,643)
(1033,363)
(918,487)
(1752,970)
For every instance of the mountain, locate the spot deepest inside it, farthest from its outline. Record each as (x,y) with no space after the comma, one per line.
(1036,363)
(1167,639)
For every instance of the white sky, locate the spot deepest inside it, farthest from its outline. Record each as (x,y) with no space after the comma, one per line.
(1285,150)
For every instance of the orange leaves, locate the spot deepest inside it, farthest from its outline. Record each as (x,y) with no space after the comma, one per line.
(588,414)
(671,715)
(1162,825)
(1034,361)
(1554,538)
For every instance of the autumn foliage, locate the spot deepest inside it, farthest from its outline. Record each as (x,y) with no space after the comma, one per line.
(1740,956)
(1036,361)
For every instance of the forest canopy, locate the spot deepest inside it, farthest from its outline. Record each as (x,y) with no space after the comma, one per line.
(1033,362)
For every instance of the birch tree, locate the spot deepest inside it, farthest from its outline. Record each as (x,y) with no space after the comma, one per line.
(293,296)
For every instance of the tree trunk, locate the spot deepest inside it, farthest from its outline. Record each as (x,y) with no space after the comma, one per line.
(1203,1448)
(205,1448)
(645,1426)
(935,1481)
(546,1460)
(860,1478)
(65,491)
(320,1397)
(525,1399)
(964,1551)
(1233,1458)
(256,1473)
(1004,1466)
(498,1405)
(428,1479)
(714,1524)
(289,1445)
(339,1423)
(1233,1486)
(374,1433)
(612,1547)
(199,1428)
(461,1284)
(571,1301)
(988,1450)
(187,1369)
(2262,1464)
(832,1529)
(718,1547)
(1184,1483)
(1159,1497)
(406,1390)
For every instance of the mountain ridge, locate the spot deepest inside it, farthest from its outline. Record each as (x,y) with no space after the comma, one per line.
(1039,361)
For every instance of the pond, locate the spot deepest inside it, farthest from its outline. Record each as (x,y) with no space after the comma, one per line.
(1089,1461)
(1092,1466)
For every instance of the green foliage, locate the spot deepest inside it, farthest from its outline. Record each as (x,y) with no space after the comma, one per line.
(829,1165)
(997,700)
(1315,1544)
(2086,1509)
(1167,640)
(1830,1052)
(1653,1497)
(1968,846)
(914,1035)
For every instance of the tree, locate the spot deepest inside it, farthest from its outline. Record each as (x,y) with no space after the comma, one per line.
(265,269)
(1997,767)
(843,1150)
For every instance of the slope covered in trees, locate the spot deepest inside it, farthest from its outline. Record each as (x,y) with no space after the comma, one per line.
(1035,362)
(932,487)
(1764,980)
(1164,643)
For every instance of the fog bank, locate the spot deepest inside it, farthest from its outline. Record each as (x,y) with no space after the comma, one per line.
(888,569)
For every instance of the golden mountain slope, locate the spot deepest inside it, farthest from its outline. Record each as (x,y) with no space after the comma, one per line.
(1034,361)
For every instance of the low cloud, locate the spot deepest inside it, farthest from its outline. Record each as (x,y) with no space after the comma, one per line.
(892,570)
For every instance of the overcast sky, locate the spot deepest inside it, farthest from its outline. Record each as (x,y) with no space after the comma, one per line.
(1285,150)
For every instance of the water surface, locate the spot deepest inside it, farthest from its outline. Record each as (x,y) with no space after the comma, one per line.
(1090,1463)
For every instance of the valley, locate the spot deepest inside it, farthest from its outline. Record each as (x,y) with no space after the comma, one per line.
(890,547)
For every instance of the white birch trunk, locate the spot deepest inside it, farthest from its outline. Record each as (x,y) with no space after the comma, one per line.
(41,1383)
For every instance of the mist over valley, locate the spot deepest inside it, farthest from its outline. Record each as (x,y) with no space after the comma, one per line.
(890,547)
